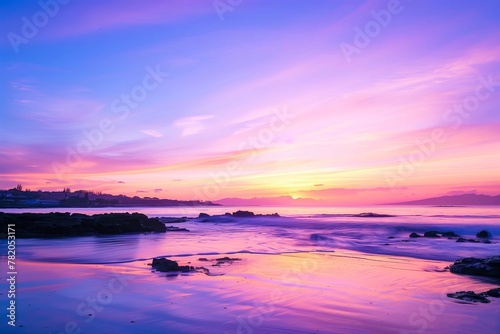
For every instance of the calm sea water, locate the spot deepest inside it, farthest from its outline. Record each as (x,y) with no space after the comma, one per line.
(313,270)
(193,211)
(308,229)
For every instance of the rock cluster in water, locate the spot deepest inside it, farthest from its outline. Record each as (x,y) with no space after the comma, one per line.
(66,224)
(372,215)
(471,296)
(489,267)
(238,214)
(176,229)
(221,260)
(165,265)
(162,264)
(482,235)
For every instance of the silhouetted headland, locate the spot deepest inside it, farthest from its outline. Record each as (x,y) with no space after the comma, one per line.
(19,198)
(77,224)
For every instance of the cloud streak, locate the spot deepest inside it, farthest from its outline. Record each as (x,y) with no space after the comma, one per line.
(352,122)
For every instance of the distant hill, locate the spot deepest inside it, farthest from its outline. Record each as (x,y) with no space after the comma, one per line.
(465,199)
(18,198)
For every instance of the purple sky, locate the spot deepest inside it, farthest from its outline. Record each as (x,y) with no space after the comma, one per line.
(348,101)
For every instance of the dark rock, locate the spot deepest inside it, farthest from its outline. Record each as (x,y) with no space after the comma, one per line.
(489,267)
(153,225)
(203,215)
(432,234)
(450,234)
(203,270)
(483,234)
(243,214)
(122,223)
(227,259)
(493,293)
(176,229)
(371,214)
(65,224)
(164,265)
(415,235)
(220,261)
(469,296)
(228,214)
(473,240)
(173,220)
(269,215)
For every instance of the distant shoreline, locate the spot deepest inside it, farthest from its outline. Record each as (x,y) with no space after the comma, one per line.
(105,206)
(17,198)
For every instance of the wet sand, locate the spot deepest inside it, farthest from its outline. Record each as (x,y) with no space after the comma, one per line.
(322,292)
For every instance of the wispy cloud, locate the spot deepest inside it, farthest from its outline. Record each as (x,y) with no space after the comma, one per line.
(94,18)
(152,133)
(192,125)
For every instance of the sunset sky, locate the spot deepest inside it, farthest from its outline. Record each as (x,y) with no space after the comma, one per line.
(352,102)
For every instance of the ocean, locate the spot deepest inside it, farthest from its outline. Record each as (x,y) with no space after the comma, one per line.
(312,270)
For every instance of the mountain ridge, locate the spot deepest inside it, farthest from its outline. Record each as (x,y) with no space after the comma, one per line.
(463,199)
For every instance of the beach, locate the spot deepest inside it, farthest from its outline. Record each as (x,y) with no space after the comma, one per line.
(250,167)
(289,293)
(322,273)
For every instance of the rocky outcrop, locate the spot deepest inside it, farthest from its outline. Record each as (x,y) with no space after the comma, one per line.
(165,265)
(176,229)
(219,261)
(493,292)
(372,215)
(162,264)
(228,217)
(432,234)
(489,267)
(227,259)
(173,220)
(471,296)
(483,234)
(435,234)
(484,241)
(450,234)
(243,214)
(66,224)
